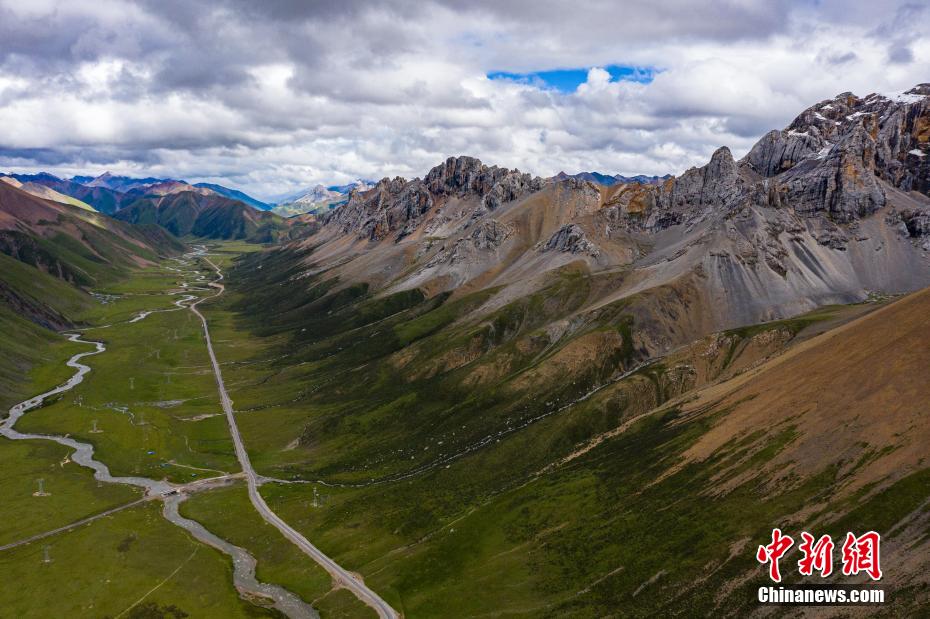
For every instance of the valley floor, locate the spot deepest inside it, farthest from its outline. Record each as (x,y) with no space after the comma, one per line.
(149,407)
(523,482)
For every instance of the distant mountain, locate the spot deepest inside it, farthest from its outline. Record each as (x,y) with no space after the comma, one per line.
(319,199)
(164,188)
(47,193)
(79,246)
(642,179)
(315,195)
(101,198)
(235,194)
(608,180)
(204,215)
(359,184)
(123,183)
(108,193)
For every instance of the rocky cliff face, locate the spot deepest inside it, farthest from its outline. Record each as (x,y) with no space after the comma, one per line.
(397,207)
(571,238)
(829,162)
(484,238)
(828,210)
(831,157)
(897,125)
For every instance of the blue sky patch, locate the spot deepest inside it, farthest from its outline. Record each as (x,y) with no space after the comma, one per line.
(568,80)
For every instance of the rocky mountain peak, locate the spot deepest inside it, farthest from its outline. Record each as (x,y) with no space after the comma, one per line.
(398,207)
(722,157)
(830,157)
(722,166)
(463,175)
(101,180)
(829,160)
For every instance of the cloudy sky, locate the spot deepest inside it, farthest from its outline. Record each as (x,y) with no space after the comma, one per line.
(272,96)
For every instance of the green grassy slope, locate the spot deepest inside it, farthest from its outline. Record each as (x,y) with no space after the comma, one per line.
(453,455)
(32,304)
(50,259)
(207,216)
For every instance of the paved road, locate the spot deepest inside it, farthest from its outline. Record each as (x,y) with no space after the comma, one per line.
(339,574)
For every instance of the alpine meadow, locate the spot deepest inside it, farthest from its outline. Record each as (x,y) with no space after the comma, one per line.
(634,323)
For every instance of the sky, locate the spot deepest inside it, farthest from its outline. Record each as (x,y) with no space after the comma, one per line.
(273,96)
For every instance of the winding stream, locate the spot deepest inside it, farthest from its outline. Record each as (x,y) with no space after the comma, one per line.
(171,494)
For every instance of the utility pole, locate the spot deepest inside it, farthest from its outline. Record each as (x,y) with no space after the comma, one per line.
(316,498)
(41,491)
(46,556)
(95,429)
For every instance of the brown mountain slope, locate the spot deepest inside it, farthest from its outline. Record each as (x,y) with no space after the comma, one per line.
(46,193)
(860,387)
(19,208)
(79,246)
(856,403)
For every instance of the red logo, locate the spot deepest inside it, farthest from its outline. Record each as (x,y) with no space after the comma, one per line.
(773,552)
(817,556)
(859,554)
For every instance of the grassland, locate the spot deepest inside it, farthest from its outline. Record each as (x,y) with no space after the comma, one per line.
(154,400)
(465,468)
(106,567)
(72,492)
(228,513)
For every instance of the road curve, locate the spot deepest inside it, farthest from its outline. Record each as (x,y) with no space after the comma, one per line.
(339,574)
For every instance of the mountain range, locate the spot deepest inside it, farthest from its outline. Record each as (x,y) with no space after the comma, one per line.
(109,193)
(580,398)
(204,209)
(828,210)
(608,180)
(490,393)
(79,246)
(206,215)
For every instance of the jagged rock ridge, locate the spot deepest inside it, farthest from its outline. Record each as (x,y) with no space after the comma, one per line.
(828,210)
